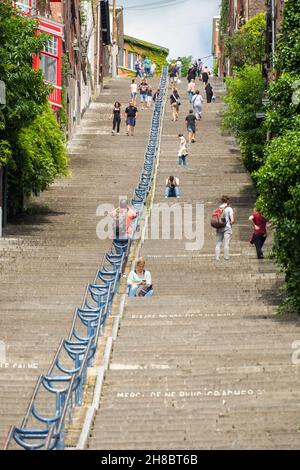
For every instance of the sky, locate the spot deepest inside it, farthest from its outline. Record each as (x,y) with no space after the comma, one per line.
(184,27)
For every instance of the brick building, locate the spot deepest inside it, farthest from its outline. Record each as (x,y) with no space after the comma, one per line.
(74,60)
(241,11)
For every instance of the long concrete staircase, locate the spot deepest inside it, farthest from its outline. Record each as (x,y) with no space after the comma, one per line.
(206,363)
(49,255)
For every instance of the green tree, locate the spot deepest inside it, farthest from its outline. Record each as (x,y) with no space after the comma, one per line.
(289,41)
(26,113)
(244,100)
(278,180)
(278,183)
(247,44)
(186,62)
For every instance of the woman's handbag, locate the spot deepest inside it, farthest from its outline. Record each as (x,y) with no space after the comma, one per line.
(252,239)
(177,101)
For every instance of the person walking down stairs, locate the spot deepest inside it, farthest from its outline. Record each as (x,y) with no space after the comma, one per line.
(116,118)
(223,220)
(131,113)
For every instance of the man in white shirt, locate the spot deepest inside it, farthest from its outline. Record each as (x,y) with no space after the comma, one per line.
(179,67)
(224,234)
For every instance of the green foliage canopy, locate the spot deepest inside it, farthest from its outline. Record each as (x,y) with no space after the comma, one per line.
(247,44)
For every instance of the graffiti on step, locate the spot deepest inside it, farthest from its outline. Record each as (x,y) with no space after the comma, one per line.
(180,315)
(185,394)
(18,365)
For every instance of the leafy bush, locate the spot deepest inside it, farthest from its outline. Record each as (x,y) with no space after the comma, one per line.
(31,143)
(282,113)
(244,100)
(278,183)
(39,157)
(289,42)
(247,44)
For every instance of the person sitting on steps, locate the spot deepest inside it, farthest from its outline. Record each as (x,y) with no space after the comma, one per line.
(139,281)
(172,187)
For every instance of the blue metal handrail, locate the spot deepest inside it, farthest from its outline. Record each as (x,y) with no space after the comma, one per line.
(65,380)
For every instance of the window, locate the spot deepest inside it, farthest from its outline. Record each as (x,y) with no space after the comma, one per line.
(27,6)
(51,46)
(49,66)
(131,60)
(121,57)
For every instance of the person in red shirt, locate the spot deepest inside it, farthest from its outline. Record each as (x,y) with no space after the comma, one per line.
(123,217)
(259,236)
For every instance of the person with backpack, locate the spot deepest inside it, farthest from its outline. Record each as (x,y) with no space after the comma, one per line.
(130,113)
(223,220)
(197,101)
(123,217)
(259,236)
(116,118)
(183,151)
(175,103)
(139,282)
(172,187)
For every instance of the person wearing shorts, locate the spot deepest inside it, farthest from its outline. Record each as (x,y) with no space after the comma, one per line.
(133,91)
(130,113)
(191,126)
(144,93)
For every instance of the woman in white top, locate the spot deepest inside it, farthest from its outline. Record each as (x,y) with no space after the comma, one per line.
(139,281)
(133,90)
(182,152)
(191,90)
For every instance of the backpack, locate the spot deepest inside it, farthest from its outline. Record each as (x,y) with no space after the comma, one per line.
(119,226)
(218,219)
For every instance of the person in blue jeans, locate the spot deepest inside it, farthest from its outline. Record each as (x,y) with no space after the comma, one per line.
(182,152)
(139,281)
(172,187)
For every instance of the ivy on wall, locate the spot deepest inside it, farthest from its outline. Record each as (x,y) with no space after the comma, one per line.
(156,54)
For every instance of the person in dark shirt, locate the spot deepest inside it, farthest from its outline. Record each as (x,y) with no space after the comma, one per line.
(209,92)
(191,126)
(144,93)
(259,236)
(130,113)
(116,118)
(192,72)
(156,95)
